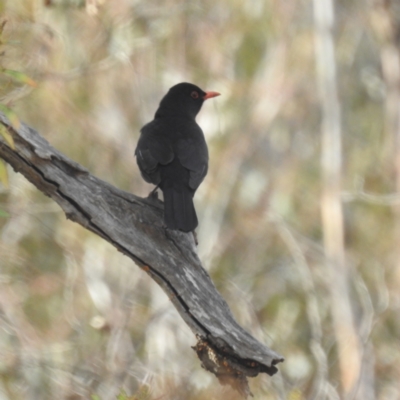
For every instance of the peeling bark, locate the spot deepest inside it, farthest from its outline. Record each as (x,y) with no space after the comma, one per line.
(135,227)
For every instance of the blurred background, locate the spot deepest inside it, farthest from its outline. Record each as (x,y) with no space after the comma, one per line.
(306,252)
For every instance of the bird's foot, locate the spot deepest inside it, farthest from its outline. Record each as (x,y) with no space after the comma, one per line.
(153,194)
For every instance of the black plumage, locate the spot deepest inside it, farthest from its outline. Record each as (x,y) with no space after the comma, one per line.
(172,153)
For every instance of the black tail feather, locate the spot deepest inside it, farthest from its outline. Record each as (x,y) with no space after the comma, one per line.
(179,212)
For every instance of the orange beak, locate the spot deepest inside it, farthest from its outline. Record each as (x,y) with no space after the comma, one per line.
(209,95)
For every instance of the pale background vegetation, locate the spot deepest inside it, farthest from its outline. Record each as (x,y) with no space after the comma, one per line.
(307,254)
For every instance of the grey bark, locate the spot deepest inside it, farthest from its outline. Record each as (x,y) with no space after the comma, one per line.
(135,227)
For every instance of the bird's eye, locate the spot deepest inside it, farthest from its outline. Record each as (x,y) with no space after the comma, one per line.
(194,95)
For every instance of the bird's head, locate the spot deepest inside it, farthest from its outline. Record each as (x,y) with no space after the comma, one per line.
(183,99)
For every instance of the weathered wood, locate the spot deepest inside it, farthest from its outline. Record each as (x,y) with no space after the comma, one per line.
(135,227)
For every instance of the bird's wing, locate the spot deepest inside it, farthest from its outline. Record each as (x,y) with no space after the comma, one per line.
(153,149)
(193,154)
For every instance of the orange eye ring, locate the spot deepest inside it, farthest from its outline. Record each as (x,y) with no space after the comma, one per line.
(194,95)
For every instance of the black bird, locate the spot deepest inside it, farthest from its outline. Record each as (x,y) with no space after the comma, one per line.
(172,153)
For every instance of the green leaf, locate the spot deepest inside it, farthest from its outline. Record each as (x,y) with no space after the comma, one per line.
(12,117)
(141,394)
(5,214)
(20,77)
(7,136)
(95,397)
(122,395)
(3,173)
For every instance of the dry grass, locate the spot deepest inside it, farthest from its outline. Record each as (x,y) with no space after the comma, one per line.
(80,320)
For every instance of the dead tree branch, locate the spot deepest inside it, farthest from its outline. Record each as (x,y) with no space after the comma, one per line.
(135,227)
